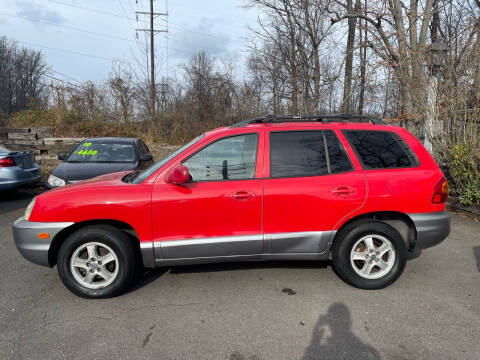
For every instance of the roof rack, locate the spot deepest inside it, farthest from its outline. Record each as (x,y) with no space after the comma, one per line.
(310,118)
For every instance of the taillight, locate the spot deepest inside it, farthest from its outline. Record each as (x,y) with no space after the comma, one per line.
(7,162)
(440,192)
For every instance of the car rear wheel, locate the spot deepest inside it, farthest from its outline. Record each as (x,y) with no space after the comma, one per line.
(369,254)
(97,262)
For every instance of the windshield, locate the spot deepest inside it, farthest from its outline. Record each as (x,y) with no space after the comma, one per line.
(139,177)
(3,150)
(102,151)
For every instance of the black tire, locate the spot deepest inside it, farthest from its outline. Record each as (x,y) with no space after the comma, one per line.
(344,243)
(117,241)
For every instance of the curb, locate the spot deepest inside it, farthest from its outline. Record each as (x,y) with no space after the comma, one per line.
(454,204)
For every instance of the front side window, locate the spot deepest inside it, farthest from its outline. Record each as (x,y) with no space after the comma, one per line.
(231,158)
(99,151)
(380,149)
(297,154)
(139,177)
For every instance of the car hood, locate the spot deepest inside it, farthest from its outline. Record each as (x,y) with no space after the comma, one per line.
(80,171)
(102,181)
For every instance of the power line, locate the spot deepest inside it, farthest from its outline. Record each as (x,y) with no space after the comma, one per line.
(179,28)
(65,50)
(130,24)
(85,31)
(67,76)
(173,25)
(94,10)
(202,10)
(63,81)
(152,32)
(67,27)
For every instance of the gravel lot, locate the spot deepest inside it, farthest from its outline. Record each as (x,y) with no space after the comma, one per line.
(278,310)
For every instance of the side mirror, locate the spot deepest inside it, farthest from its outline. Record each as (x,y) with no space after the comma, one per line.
(62,156)
(178,175)
(146,157)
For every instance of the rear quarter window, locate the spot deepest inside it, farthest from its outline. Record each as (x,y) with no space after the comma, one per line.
(381,149)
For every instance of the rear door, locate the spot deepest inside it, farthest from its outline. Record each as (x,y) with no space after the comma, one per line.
(310,186)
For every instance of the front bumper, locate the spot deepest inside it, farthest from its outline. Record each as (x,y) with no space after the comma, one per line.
(432,228)
(29,245)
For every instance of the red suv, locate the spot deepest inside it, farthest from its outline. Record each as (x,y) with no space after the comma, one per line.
(272,188)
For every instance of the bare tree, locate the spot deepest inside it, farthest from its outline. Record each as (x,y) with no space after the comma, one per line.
(123,91)
(347,81)
(288,50)
(399,35)
(21,72)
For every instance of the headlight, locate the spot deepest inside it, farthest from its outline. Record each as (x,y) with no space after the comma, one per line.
(29,209)
(55,181)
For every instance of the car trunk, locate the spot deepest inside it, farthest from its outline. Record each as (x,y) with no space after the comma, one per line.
(23,159)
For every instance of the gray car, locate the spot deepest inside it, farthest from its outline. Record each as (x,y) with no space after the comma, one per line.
(17,169)
(99,156)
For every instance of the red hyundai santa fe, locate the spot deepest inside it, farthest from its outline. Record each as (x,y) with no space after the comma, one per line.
(349,189)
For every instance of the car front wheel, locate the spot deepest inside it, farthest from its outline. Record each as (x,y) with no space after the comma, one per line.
(369,255)
(97,262)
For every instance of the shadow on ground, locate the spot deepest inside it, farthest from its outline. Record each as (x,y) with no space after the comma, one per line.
(476,253)
(146,277)
(411,255)
(14,200)
(332,338)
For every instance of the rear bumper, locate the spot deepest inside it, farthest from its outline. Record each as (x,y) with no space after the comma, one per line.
(15,177)
(432,228)
(29,245)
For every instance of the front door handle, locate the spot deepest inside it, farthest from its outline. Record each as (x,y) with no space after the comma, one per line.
(343,191)
(243,195)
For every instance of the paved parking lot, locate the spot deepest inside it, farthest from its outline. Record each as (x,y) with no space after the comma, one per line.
(280,310)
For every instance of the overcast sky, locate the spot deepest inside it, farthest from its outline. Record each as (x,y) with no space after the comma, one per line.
(80,44)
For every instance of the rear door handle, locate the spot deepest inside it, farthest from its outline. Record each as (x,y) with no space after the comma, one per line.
(343,191)
(243,195)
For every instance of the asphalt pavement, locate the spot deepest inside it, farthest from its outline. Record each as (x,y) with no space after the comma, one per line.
(246,311)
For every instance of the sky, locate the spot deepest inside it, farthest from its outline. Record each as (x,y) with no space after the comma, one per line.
(81,38)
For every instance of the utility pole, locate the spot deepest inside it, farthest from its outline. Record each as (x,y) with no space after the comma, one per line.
(152,31)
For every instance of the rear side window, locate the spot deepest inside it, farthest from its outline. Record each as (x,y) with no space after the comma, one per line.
(381,149)
(306,153)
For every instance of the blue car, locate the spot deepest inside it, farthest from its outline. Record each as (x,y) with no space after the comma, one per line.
(17,169)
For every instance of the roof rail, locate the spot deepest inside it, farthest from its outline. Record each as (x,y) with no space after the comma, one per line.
(309,118)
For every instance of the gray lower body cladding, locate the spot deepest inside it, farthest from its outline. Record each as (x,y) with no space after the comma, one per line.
(312,245)
(29,245)
(432,228)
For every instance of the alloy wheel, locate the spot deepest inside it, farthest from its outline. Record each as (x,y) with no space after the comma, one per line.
(94,265)
(372,256)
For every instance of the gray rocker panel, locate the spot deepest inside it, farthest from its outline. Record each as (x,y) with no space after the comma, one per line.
(312,245)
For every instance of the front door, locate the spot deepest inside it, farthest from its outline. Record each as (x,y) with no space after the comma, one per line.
(219,212)
(310,186)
